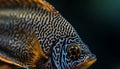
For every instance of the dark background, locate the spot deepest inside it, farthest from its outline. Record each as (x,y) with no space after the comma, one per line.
(98,24)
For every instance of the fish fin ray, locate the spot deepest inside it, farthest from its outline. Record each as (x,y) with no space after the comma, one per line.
(29,3)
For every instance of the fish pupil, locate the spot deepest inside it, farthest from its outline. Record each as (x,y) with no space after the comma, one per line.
(74,52)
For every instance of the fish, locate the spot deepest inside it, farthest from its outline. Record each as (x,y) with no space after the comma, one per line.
(34,35)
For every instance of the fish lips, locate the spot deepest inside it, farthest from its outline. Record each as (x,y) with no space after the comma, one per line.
(88,62)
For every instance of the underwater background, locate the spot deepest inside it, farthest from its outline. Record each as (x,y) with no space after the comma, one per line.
(98,24)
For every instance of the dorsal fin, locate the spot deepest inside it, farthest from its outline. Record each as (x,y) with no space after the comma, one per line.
(28,3)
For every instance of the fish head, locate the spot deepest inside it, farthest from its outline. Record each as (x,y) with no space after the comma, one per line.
(78,56)
(73,55)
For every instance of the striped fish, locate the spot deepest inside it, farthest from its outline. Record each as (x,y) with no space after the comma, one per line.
(34,35)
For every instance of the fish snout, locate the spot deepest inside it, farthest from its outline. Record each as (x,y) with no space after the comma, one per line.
(87,63)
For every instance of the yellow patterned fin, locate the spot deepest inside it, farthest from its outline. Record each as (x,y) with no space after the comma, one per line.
(30,3)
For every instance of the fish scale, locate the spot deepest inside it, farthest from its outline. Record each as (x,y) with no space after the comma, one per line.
(37,36)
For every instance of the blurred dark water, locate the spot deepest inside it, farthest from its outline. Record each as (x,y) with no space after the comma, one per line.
(98,24)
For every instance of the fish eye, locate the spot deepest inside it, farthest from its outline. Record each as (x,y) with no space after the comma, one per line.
(74,52)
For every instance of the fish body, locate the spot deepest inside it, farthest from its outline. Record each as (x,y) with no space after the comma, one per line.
(35,35)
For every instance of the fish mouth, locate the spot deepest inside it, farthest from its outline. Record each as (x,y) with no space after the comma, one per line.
(86,64)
